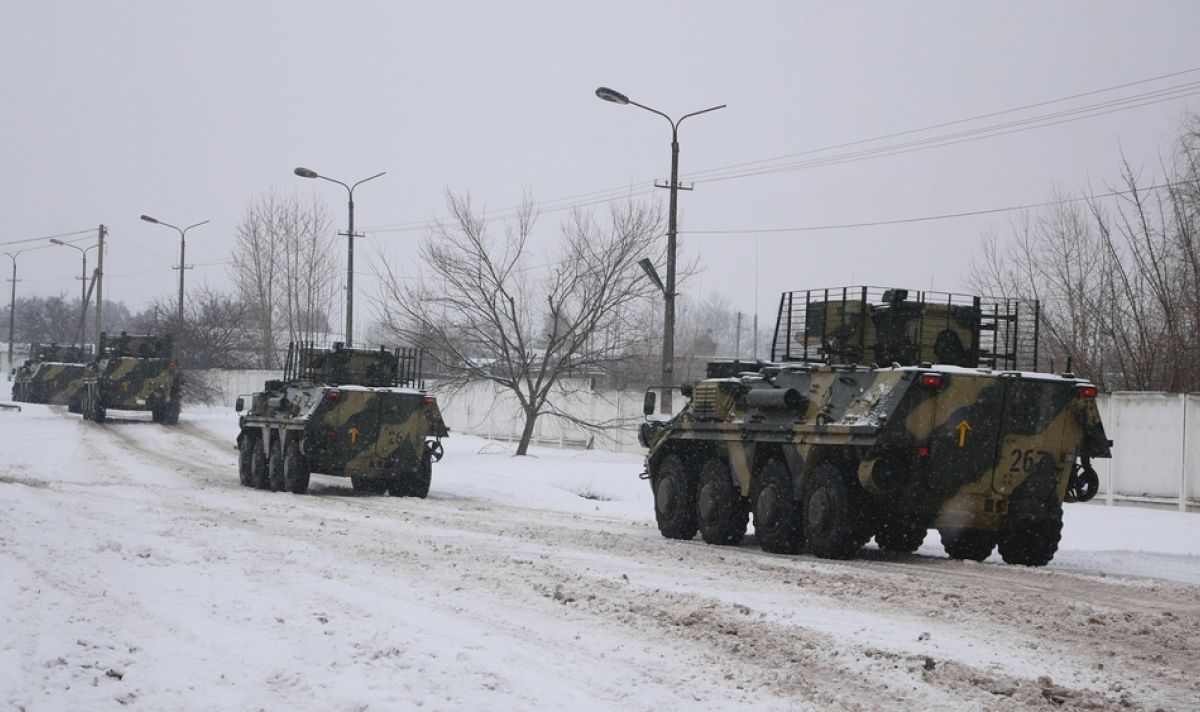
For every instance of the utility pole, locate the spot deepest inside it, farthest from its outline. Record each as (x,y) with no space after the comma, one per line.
(668,354)
(12,306)
(309,173)
(99,280)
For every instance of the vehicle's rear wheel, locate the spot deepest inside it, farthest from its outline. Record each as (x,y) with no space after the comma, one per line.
(75,405)
(675,500)
(245,457)
(900,537)
(1035,542)
(295,470)
(973,544)
(831,524)
(720,513)
(259,478)
(778,521)
(166,413)
(415,484)
(370,485)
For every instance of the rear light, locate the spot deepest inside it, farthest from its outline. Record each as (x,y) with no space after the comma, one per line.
(335,394)
(429,400)
(171,364)
(1088,392)
(114,362)
(923,451)
(932,381)
(331,434)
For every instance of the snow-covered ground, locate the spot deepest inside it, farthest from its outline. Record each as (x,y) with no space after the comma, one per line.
(137,573)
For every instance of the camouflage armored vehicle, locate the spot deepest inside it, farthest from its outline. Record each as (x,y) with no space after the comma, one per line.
(354,413)
(883,413)
(133,372)
(53,374)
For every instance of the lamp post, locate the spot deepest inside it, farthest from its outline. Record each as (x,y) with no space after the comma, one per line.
(309,173)
(82,275)
(182,249)
(12,305)
(668,350)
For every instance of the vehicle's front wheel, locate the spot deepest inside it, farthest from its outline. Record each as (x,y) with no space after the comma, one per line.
(675,500)
(778,521)
(295,470)
(245,457)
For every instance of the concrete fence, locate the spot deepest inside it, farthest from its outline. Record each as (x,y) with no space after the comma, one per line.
(1156,456)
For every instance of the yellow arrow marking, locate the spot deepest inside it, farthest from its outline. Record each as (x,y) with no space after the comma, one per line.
(963,428)
(353,435)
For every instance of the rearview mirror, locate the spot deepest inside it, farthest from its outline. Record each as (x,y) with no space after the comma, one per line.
(648,402)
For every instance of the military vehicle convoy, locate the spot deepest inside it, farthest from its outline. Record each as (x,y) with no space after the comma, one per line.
(356,413)
(53,374)
(133,372)
(883,413)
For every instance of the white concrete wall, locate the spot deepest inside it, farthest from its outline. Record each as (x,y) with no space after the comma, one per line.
(1156,451)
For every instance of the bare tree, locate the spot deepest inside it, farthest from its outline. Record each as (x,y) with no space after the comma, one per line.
(1119,281)
(490,310)
(284,268)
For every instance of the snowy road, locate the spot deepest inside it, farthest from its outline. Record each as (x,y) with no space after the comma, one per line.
(138,574)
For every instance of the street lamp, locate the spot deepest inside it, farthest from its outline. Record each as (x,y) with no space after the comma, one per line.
(12,306)
(83,275)
(182,248)
(668,351)
(309,173)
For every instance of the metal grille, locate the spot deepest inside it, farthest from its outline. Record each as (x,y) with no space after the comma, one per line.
(361,367)
(884,326)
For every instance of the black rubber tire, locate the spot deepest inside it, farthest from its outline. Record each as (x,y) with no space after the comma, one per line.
(831,524)
(414,484)
(170,413)
(370,485)
(971,544)
(258,466)
(275,464)
(295,470)
(674,499)
(720,514)
(245,455)
(900,537)
(778,519)
(1033,544)
(75,405)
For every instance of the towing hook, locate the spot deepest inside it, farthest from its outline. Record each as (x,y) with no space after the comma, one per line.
(1084,483)
(434,448)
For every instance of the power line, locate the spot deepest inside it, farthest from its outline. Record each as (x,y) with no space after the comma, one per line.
(928,218)
(730,172)
(48,237)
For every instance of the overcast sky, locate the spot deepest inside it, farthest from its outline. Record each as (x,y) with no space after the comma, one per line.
(188,110)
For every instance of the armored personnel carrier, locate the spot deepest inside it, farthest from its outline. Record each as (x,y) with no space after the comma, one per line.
(883,413)
(53,374)
(354,413)
(133,372)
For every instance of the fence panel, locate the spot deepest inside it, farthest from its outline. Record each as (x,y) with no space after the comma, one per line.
(1156,455)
